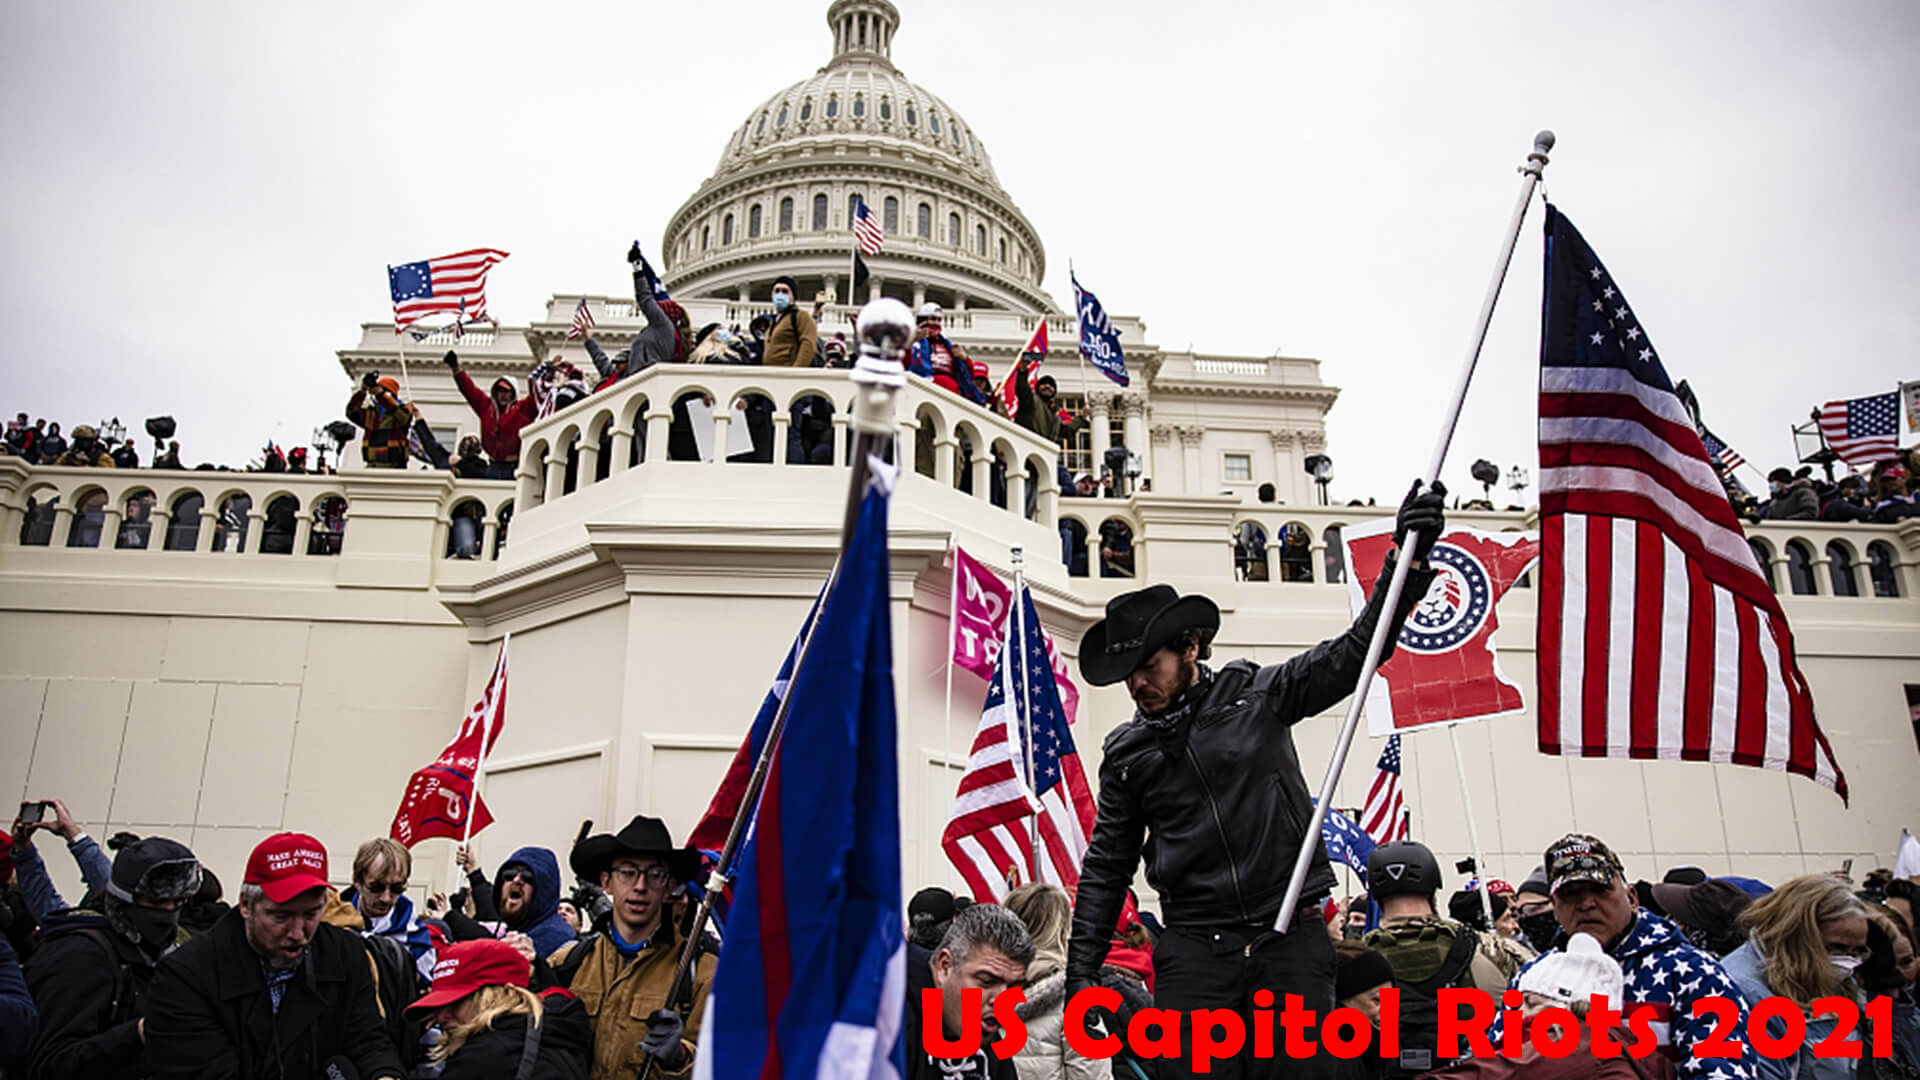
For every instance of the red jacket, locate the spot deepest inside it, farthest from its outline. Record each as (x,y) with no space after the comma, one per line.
(499,432)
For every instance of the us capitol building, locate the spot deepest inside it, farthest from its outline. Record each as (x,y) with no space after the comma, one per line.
(203,676)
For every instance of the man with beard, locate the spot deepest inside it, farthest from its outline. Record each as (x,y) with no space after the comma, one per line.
(986,948)
(526,897)
(270,991)
(93,971)
(624,976)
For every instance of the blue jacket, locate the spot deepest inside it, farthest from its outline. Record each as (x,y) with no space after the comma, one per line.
(542,921)
(43,899)
(1749,972)
(19,1021)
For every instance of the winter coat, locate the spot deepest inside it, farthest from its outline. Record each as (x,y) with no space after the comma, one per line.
(619,994)
(396,981)
(92,986)
(19,1019)
(499,430)
(210,1017)
(1170,795)
(1799,502)
(565,1053)
(1037,416)
(541,921)
(791,341)
(1665,971)
(921,1065)
(1046,1056)
(400,927)
(90,458)
(383,422)
(1898,508)
(940,364)
(50,446)
(36,885)
(1749,972)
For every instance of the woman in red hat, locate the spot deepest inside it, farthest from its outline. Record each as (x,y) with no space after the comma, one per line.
(492,1027)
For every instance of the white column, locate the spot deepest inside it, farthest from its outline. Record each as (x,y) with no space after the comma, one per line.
(1190,436)
(1102,406)
(782,422)
(1162,435)
(657,423)
(946,451)
(256,530)
(982,473)
(1134,408)
(156,534)
(1017,491)
(556,485)
(589,462)
(622,451)
(203,541)
(1286,467)
(302,531)
(526,490)
(110,526)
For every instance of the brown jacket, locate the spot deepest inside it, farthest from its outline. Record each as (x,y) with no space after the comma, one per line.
(791,340)
(619,995)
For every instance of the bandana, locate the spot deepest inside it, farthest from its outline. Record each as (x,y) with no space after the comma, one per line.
(1183,706)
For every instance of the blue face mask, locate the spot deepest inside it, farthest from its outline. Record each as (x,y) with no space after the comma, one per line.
(781,301)
(722,336)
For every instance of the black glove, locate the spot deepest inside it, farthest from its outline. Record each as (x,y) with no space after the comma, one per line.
(1424,513)
(451,360)
(662,1043)
(634,258)
(369,380)
(1099,1021)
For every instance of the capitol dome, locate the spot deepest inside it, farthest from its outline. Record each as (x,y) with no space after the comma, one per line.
(781,196)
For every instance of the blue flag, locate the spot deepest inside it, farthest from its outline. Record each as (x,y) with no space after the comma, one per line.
(812,980)
(1099,341)
(1347,842)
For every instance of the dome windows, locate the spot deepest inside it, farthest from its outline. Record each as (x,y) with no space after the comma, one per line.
(706,237)
(956,135)
(886,109)
(760,128)
(913,117)
(924,226)
(726,231)
(980,240)
(786,214)
(780,120)
(933,122)
(753,222)
(953,229)
(820,213)
(859,106)
(1003,250)
(806,110)
(890,216)
(833,106)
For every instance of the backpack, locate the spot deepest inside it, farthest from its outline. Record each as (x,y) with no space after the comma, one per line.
(1420,1001)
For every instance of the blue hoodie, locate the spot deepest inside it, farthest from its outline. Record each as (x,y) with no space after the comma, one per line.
(542,921)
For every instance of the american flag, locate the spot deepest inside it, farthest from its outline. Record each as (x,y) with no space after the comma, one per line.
(1725,459)
(989,835)
(1658,637)
(866,228)
(1384,816)
(582,320)
(455,283)
(1863,430)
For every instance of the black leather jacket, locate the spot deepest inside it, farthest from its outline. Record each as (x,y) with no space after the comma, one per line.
(1218,805)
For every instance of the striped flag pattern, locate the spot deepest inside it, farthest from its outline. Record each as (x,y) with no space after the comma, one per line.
(989,836)
(1863,430)
(582,320)
(1658,636)
(866,229)
(1384,816)
(1725,458)
(450,283)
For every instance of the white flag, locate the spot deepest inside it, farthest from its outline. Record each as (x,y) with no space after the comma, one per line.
(1907,863)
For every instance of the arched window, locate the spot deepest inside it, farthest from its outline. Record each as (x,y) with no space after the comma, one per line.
(806,110)
(859,106)
(1249,552)
(37,529)
(753,221)
(853,203)
(329,529)
(464,529)
(760,128)
(276,532)
(886,109)
(980,240)
(726,230)
(833,106)
(706,237)
(890,215)
(956,135)
(136,525)
(1296,552)
(1880,568)
(1116,549)
(1840,569)
(913,117)
(505,518)
(1003,251)
(780,120)
(820,213)
(230,531)
(1073,547)
(1799,568)
(1336,561)
(183,530)
(933,122)
(89,517)
(1765,558)
(925,224)
(786,214)
(953,229)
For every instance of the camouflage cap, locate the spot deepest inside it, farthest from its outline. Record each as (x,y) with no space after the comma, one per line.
(1578,857)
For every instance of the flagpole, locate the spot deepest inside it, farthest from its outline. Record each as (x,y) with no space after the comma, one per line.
(885,328)
(1530,172)
(1473,831)
(1025,712)
(486,739)
(953,615)
(406,384)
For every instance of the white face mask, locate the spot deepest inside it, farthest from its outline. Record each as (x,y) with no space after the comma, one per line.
(1844,966)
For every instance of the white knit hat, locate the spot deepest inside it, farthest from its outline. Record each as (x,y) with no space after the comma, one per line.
(1574,976)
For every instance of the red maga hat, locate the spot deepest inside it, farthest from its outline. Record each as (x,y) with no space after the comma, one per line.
(467,966)
(286,865)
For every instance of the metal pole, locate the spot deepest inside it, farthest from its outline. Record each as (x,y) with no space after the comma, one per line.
(884,330)
(1019,650)
(1530,173)
(1473,832)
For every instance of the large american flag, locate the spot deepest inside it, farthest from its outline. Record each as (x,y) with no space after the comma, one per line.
(450,283)
(989,835)
(1863,430)
(1658,637)
(1384,816)
(866,228)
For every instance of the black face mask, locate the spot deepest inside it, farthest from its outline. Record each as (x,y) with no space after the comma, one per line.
(1539,929)
(157,927)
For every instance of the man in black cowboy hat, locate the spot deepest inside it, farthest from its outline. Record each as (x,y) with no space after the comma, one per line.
(1205,781)
(623,977)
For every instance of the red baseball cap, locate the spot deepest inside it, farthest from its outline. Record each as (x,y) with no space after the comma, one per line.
(286,865)
(466,966)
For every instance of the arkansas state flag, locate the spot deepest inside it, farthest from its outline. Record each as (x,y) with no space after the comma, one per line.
(1443,669)
(440,796)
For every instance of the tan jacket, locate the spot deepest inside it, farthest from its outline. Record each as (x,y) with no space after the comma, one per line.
(620,994)
(791,340)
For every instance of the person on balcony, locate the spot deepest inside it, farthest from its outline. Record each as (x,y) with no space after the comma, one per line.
(934,357)
(51,444)
(502,412)
(383,419)
(1037,406)
(85,450)
(793,337)
(656,343)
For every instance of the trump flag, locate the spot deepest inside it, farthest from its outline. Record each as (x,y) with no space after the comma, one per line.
(981,603)
(1443,668)
(440,796)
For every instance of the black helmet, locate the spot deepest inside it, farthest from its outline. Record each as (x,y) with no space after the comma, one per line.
(1402,868)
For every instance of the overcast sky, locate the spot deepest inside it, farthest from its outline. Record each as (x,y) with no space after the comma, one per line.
(200,199)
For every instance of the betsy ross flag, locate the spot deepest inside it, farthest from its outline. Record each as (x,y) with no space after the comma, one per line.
(1036,348)
(866,228)
(450,283)
(1657,635)
(989,836)
(1863,430)
(813,978)
(439,797)
(1384,817)
(582,320)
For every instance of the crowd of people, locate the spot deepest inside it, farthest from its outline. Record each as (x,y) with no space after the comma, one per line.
(1882,495)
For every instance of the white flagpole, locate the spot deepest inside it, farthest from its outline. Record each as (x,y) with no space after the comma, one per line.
(1530,171)
(499,708)
(1019,649)
(1473,831)
(946,745)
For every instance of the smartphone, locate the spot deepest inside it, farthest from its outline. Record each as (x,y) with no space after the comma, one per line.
(32,813)
(1846,869)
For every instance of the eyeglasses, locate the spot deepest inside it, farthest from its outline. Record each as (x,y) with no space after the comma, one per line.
(517,874)
(656,876)
(390,888)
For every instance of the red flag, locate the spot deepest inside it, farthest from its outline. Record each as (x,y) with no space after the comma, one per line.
(1443,668)
(439,796)
(981,603)
(1037,344)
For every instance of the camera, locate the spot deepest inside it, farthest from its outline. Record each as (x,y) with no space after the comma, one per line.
(1465,866)
(33,813)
